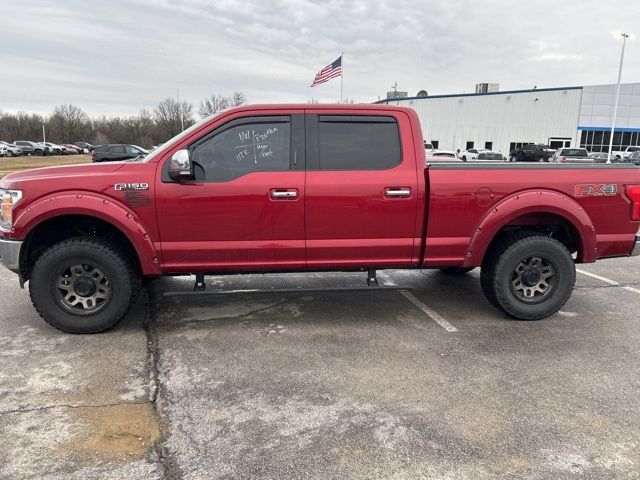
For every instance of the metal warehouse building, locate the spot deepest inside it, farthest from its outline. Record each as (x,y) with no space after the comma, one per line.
(502,121)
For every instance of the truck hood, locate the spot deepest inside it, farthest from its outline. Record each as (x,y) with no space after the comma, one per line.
(65,171)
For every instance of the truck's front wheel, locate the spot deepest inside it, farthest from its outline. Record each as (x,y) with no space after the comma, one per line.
(531,278)
(83,285)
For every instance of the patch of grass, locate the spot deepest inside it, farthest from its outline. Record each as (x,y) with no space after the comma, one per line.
(16,164)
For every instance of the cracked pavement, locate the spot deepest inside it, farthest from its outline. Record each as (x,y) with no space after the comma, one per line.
(325,386)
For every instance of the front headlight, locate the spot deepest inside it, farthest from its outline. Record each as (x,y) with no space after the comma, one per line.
(9,199)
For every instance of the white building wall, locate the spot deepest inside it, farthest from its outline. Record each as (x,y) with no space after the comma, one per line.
(524,116)
(598,103)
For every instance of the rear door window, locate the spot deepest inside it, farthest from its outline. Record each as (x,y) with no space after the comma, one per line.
(116,149)
(358,143)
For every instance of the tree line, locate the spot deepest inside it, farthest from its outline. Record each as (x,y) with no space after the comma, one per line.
(69,123)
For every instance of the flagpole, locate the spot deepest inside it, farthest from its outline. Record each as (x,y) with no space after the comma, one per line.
(342,75)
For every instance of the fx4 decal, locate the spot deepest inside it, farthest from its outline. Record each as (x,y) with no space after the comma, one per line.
(595,190)
(131,186)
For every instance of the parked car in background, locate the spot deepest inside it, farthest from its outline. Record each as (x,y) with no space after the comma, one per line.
(622,154)
(483,154)
(9,150)
(471,154)
(444,153)
(428,148)
(53,148)
(490,156)
(87,146)
(572,155)
(633,158)
(30,148)
(601,157)
(73,149)
(116,152)
(534,152)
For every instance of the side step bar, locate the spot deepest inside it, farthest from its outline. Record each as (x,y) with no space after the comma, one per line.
(200,287)
(284,290)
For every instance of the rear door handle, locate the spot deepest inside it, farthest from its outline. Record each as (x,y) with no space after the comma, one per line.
(402,192)
(284,194)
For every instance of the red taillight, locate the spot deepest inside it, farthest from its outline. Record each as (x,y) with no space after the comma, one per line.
(633,192)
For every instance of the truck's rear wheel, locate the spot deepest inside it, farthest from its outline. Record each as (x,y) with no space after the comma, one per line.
(83,285)
(529,278)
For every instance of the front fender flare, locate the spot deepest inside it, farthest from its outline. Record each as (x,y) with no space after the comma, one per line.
(537,201)
(98,206)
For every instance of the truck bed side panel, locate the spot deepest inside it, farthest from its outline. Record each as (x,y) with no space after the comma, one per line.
(462,196)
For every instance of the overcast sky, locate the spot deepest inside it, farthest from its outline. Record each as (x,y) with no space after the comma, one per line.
(118,56)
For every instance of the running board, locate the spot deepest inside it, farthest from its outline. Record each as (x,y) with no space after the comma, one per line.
(285,290)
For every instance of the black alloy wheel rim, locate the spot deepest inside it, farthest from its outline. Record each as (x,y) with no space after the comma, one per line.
(534,279)
(82,289)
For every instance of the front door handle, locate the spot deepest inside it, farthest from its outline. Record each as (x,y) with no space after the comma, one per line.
(397,192)
(284,194)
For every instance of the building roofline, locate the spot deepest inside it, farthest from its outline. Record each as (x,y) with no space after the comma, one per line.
(506,92)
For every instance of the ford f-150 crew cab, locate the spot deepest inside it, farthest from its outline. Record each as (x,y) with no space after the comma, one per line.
(283,188)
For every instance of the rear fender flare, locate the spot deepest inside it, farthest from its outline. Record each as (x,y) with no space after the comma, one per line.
(101,207)
(538,201)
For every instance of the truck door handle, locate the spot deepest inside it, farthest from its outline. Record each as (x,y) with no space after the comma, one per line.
(397,192)
(284,194)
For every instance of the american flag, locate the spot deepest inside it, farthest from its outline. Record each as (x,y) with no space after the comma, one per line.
(327,73)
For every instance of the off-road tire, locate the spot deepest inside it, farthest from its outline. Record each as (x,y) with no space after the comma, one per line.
(123,279)
(504,257)
(487,270)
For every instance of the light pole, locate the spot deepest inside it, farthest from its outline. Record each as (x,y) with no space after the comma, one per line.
(615,107)
(180,113)
(44,139)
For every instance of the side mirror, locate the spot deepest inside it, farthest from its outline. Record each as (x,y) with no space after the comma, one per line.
(180,166)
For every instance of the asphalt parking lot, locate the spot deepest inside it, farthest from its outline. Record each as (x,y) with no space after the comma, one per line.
(434,383)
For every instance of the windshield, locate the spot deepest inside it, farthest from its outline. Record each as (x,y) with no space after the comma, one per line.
(160,150)
(574,152)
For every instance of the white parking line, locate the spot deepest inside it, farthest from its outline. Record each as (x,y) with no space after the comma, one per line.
(430,313)
(411,297)
(607,280)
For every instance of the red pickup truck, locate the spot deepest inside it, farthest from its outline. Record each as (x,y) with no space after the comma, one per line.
(283,188)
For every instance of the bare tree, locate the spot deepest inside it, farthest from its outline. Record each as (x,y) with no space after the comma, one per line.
(69,123)
(215,103)
(237,99)
(20,126)
(168,114)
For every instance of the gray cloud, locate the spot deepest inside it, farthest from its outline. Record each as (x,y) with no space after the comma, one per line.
(119,56)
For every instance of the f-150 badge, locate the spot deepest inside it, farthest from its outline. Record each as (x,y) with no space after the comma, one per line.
(131,186)
(595,190)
